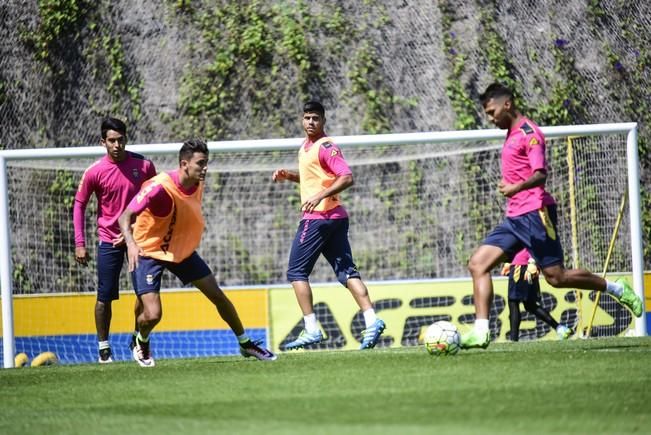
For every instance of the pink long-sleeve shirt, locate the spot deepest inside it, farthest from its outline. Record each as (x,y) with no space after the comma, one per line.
(114,185)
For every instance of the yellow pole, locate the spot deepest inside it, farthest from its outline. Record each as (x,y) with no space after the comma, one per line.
(575,244)
(620,215)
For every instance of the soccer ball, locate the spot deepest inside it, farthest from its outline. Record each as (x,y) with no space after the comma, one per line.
(442,338)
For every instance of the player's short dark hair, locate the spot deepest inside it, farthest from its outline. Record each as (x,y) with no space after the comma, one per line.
(192,146)
(314,107)
(114,124)
(495,90)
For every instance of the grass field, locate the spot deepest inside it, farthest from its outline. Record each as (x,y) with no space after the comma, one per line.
(589,387)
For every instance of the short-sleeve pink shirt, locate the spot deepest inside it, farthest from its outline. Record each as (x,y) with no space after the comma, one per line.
(523,154)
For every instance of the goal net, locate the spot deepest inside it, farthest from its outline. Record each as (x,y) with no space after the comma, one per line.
(419,206)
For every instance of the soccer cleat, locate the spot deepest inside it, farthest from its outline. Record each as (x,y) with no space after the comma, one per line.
(475,339)
(105,356)
(564,332)
(629,299)
(252,348)
(371,335)
(304,339)
(142,354)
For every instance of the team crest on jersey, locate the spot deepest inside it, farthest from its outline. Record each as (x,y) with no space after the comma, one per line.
(533,142)
(333,153)
(526,128)
(136,173)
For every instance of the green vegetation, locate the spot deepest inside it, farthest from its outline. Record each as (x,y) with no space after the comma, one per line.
(269,56)
(68,34)
(465,108)
(630,69)
(59,20)
(256,61)
(561,387)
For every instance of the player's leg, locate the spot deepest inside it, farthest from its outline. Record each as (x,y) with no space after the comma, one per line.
(339,254)
(209,287)
(485,258)
(537,310)
(109,265)
(195,270)
(515,297)
(152,312)
(548,253)
(304,253)
(501,244)
(532,305)
(137,310)
(514,319)
(146,280)
(103,314)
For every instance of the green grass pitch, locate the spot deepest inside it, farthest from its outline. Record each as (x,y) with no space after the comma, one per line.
(581,386)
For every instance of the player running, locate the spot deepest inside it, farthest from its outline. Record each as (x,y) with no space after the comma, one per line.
(167,231)
(114,179)
(530,219)
(323,173)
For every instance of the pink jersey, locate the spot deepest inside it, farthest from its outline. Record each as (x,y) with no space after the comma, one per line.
(156,199)
(333,162)
(523,153)
(114,185)
(521,258)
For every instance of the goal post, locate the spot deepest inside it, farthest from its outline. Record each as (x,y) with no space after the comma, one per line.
(421,202)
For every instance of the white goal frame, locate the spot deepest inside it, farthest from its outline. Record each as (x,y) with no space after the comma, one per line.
(630,129)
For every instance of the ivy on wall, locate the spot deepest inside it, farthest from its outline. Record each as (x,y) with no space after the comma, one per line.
(68,35)
(629,70)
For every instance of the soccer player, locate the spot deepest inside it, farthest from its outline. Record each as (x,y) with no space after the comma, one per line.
(167,231)
(524,286)
(530,220)
(114,179)
(323,229)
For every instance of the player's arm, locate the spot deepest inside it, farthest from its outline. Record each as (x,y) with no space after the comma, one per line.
(137,205)
(535,149)
(285,174)
(152,196)
(341,183)
(133,250)
(539,178)
(82,197)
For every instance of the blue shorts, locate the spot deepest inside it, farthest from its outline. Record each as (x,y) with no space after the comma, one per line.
(321,236)
(147,276)
(109,265)
(535,231)
(521,290)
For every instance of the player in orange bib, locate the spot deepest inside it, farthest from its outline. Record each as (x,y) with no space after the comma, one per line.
(167,231)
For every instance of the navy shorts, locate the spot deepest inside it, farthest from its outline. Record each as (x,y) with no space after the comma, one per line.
(109,265)
(321,236)
(535,231)
(147,276)
(520,289)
